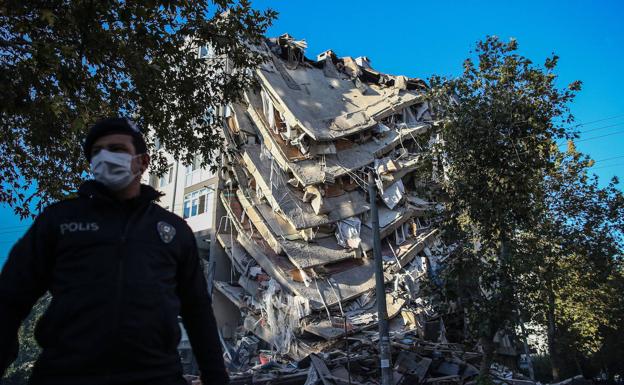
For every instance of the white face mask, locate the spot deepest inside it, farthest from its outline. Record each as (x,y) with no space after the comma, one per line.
(113,169)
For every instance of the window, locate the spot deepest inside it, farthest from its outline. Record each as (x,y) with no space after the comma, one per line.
(167,177)
(195,163)
(153,181)
(195,173)
(206,52)
(198,202)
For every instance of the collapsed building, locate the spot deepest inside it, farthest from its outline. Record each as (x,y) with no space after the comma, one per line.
(295,221)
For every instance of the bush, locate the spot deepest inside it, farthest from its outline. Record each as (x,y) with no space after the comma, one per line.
(19,372)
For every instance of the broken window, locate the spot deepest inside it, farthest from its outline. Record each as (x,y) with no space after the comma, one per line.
(280,125)
(401,234)
(409,119)
(267,109)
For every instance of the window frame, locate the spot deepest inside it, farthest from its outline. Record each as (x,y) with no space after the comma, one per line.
(166,178)
(197,202)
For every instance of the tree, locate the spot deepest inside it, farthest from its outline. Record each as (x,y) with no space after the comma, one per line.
(65,64)
(609,356)
(500,120)
(575,247)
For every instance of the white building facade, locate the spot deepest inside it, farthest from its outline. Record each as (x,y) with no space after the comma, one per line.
(189,191)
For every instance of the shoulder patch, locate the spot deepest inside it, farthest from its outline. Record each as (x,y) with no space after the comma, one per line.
(165,231)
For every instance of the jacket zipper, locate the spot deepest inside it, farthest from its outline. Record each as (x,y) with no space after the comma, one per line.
(120,273)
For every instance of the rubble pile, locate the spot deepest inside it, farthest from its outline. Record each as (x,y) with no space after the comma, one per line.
(416,361)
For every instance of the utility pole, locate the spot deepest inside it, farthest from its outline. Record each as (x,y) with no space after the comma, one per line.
(527,352)
(380,288)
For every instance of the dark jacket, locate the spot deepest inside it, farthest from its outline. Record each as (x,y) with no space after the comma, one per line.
(119,274)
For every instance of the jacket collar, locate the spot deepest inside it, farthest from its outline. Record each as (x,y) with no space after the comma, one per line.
(96,190)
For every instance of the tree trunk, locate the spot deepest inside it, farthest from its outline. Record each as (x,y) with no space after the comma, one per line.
(553,350)
(487,344)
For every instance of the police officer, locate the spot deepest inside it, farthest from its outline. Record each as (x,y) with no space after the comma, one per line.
(120,269)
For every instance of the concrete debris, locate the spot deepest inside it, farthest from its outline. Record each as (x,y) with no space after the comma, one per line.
(296,227)
(393,194)
(416,361)
(348,232)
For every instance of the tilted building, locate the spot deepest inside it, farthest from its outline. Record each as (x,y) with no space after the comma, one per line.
(292,241)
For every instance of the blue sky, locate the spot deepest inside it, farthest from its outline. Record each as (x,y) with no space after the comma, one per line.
(421,38)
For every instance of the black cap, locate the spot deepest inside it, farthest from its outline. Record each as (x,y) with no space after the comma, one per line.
(110,126)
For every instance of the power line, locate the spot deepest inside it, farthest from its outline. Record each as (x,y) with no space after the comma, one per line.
(603,127)
(606,159)
(600,136)
(591,130)
(609,166)
(598,120)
